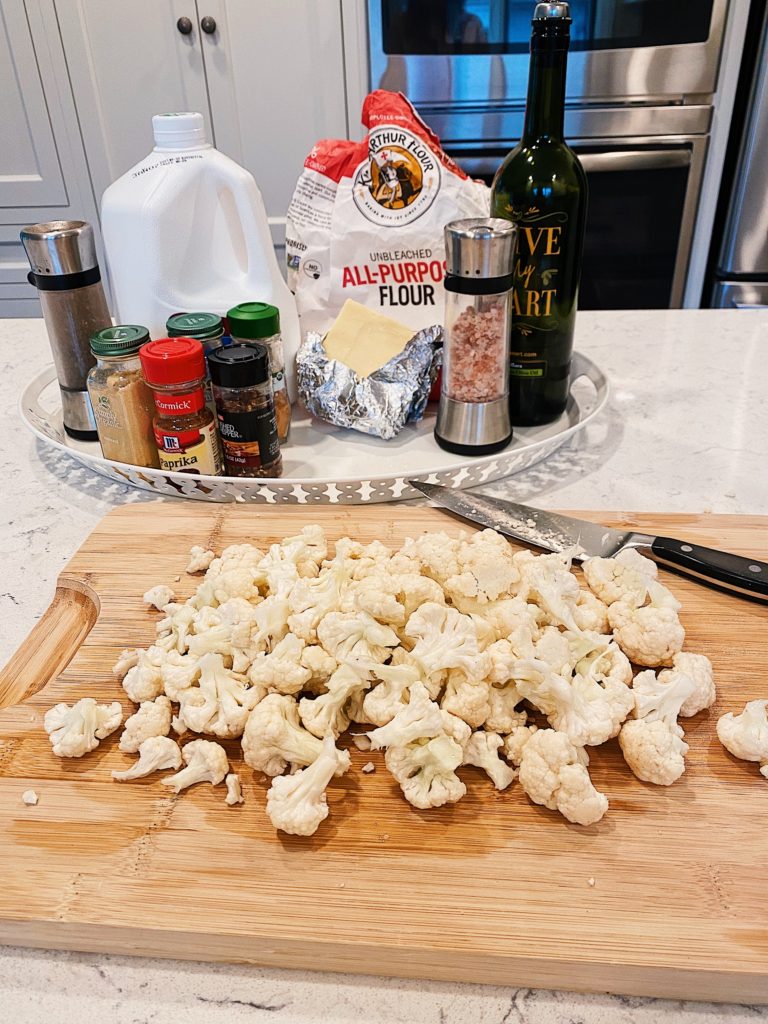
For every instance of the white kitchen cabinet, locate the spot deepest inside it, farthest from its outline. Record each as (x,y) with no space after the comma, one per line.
(128,61)
(43,170)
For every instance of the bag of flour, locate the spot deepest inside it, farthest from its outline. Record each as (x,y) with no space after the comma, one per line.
(366,219)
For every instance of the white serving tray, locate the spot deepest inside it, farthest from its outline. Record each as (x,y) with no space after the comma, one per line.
(328,465)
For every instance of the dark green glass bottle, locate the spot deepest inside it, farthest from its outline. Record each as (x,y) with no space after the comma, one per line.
(541,186)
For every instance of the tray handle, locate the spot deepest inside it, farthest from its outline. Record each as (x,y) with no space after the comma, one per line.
(52,644)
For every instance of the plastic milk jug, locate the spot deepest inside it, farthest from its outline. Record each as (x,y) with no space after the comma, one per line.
(186,231)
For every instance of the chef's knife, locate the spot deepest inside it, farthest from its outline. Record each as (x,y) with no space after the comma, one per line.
(555,532)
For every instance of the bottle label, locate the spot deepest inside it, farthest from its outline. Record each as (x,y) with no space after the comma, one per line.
(525,364)
(190,451)
(249,438)
(540,244)
(179,405)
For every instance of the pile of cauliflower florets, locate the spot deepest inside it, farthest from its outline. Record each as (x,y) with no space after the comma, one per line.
(450,651)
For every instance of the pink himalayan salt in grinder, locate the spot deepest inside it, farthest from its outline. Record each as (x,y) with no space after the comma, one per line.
(473,417)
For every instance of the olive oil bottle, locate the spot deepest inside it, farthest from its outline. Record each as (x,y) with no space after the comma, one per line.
(541,186)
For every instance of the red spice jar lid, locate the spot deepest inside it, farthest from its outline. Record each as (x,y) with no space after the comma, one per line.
(172,360)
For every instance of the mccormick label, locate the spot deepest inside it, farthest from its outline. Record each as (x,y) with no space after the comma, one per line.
(190,451)
(179,405)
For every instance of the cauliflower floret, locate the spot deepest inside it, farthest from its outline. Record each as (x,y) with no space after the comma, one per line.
(205,761)
(553,648)
(178,672)
(326,714)
(658,699)
(307,549)
(384,701)
(746,735)
(321,667)
(274,737)
(654,750)
(281,671)
(446,639)
(220,702)
(612,580)
(174,629)
(152,719)
(126,660)
(144,680)
(426,771)
(159,596)
(698,668)
(515,742)
(553,772)
(468,699)
(649,636)
(377,596)
(199,559)
(436,553)
(548,581)
(311,599)
(234,790)
(482,751)
(74,731)
(485,568)
(156,753)
(589,711)
(590,613)
(420,718)
(456,728)
(503,715)
(297,803)
(356,637)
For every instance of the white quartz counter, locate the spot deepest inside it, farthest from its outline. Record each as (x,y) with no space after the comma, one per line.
(686,431)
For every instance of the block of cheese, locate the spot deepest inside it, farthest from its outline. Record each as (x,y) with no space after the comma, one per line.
(365,340)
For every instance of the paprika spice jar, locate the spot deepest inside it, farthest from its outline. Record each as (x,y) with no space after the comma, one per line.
(242,390)
(184,428)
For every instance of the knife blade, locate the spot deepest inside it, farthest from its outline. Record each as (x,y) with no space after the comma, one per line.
(552,531)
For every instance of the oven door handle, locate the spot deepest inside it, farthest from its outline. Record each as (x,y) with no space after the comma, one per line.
(634,160)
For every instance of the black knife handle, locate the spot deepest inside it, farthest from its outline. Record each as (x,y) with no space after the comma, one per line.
(745,576)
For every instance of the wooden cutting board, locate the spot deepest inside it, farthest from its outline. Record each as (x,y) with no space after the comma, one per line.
(492,889)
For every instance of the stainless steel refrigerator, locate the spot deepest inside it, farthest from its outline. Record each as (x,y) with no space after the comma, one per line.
(741,267)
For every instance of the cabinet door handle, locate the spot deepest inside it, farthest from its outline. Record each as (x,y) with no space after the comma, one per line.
(208,25)
(184,25)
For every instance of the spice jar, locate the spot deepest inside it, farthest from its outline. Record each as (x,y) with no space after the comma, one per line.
(184,428)
(208,329)
(122,401)
(473,417)
(242,388)
(259,321)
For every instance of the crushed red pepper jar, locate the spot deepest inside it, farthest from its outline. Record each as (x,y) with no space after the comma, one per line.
(184,428)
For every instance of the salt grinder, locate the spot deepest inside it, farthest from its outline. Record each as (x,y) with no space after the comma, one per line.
(473,417)
(65,272)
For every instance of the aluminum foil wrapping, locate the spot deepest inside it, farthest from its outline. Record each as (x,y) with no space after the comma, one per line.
(380,404)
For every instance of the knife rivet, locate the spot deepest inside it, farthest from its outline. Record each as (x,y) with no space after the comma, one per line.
(686,547)
(755,568)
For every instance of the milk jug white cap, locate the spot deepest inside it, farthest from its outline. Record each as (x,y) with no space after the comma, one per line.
(179,131)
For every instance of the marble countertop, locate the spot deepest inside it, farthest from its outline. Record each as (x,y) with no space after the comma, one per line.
(684,431)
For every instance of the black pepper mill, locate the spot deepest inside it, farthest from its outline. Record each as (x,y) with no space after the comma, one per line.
(65,271)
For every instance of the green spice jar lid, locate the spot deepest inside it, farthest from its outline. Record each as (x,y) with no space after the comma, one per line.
(254,320)
(194,325)
(239,366)
(123,340)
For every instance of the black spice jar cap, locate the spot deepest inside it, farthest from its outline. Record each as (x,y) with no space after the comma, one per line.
(239,366)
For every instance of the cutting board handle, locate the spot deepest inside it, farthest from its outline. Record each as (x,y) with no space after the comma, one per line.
(52,644)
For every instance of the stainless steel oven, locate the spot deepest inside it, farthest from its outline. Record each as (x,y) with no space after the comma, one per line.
(476,51)
(641,79)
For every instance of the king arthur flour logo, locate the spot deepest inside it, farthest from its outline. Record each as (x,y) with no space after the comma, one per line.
(399,181)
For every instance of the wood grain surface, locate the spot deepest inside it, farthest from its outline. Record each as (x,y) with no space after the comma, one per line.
(492,889)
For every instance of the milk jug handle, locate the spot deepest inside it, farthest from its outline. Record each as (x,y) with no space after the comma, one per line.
(258,238)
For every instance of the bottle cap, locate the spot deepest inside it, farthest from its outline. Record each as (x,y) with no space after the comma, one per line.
(551,10)
(239,366)
(172,361)
(60,247)
(123,340)
(194,325)
(179,131)
(480,248)
(254,320)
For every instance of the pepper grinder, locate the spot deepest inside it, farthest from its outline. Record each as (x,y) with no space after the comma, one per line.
(473,417)
(65,271)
